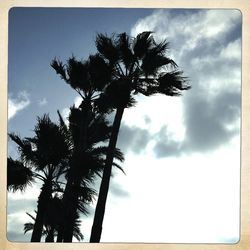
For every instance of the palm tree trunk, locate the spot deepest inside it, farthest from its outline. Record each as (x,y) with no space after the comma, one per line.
(38,227)
(103,193)
(69,220)
(42,203)
(69,193)
(65,199)
(70,199)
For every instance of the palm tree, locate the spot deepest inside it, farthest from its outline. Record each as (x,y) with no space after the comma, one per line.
(85,163)
(87,127)
(46,152)
(139,65)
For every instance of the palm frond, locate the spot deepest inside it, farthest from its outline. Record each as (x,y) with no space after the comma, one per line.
(118,155)
(51,146)
(28,227)
(18,176)
(62,123)
(160,48)
(78,74)
(77,234)
(106,47)
(142,43)
(172,83)
(31,216)
(65,131)
(101,151)
(76,228)
(24,147)
(119,167)
(99,72)
(124,47)
(152,62)
(59,68)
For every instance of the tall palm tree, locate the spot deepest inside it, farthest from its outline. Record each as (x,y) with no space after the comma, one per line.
(88,78)
(47,153)
(139,65)
(87,161)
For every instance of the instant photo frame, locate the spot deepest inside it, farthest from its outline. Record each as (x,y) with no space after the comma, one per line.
(244,7)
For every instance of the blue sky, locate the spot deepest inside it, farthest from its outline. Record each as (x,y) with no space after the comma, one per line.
(182,159)
(37,35)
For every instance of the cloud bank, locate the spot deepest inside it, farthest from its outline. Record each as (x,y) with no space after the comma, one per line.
(207,46)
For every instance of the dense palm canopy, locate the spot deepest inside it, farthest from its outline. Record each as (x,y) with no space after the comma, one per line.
(138,66)
(88,78)
(18,175)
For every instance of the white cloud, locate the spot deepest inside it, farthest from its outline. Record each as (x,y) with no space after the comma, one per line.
(65,115)
(42,102)
(174,202)
(186,29)
(160,110)
(65,111)
(205,46)
(232,51)
(17,104)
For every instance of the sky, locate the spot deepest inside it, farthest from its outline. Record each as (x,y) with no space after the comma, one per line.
(182,154)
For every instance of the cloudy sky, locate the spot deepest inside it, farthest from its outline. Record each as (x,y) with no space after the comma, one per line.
(182,181)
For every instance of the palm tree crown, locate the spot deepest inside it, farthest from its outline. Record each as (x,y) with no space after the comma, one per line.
(138,65)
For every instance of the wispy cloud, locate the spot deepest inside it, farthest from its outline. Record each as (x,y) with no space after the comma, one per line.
(208,50)
(18,103)
(42,102)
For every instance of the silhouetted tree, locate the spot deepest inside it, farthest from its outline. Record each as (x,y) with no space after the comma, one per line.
(84,165)
(87,127)
(138,65)
(47,153)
